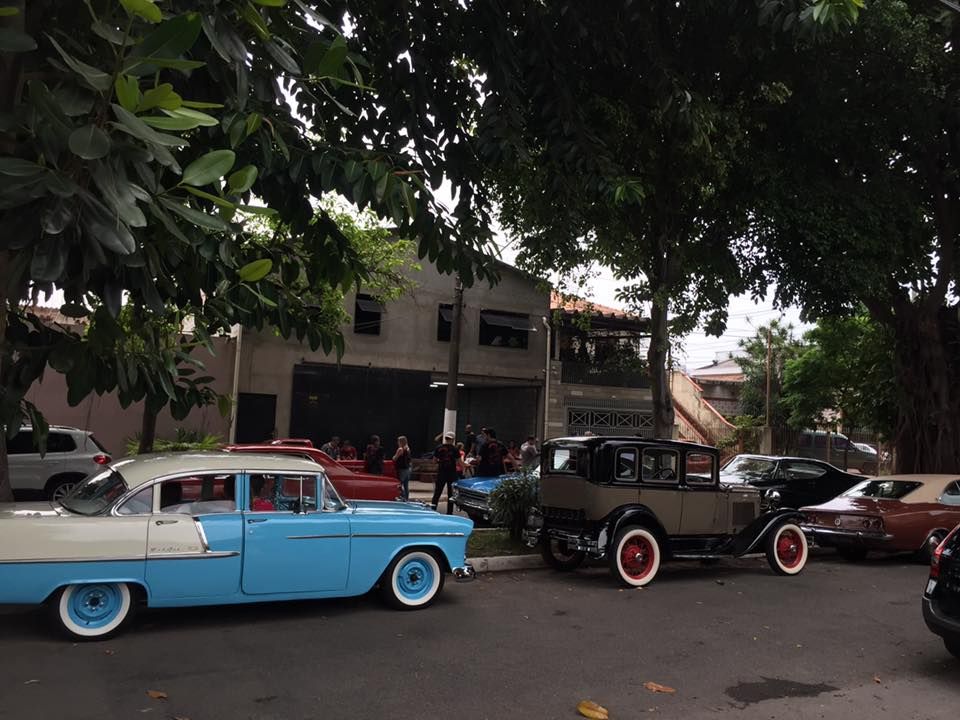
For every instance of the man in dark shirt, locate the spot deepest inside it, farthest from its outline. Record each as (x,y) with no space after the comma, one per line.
(491,456)
(446,457)
(470,439)
(373,457)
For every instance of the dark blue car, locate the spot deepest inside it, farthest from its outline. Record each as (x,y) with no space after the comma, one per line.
(472,495)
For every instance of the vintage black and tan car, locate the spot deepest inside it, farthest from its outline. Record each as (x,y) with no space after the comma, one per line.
(639,502)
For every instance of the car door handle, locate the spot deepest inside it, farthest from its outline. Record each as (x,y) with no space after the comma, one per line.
(251,521)
(166,522)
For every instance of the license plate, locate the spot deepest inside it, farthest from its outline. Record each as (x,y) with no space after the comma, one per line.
(931,586)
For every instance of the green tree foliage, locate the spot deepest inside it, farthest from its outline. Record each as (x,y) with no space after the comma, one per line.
(137,137)
(857,188)
(784,348)
(845,365)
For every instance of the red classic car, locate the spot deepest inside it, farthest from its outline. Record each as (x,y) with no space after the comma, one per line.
(895,513)
(351,485)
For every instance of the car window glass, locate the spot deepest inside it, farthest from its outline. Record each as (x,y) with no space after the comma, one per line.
(198,494)
(21,444)
(625,465)
(283,493)
(60,443)
(660,465)
(889,489)
(951,496)
(699,468)
(841,443)
(140,504)
(802,471)
(563,460)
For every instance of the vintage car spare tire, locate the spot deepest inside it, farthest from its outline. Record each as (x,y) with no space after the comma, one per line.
(412,580)
(634,556)
(787,549)
(91,610)
(558,556)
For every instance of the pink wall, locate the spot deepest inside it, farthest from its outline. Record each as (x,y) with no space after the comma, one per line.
(112,425)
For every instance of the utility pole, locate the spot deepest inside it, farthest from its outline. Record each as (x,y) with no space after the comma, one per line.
(768,375)
(453,370)
(766,446)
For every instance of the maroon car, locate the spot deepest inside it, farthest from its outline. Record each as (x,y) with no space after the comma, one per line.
(351,485)
(895,513)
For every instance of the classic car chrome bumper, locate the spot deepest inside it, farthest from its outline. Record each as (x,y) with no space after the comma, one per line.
(465,573)
(463,503)
(844,536)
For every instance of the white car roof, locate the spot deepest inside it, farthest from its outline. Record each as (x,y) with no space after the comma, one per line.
(143,468)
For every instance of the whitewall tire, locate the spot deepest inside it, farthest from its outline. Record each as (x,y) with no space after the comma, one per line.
(787,549)
(635,556)
(412,581)
(92,610)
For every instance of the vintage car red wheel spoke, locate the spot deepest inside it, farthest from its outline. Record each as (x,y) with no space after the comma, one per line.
(790,549)
(636,556)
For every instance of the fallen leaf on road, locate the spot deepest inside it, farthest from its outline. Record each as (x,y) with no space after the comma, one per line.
(157,694)
(31,682)
(876,679)
(658,688)
(589,709)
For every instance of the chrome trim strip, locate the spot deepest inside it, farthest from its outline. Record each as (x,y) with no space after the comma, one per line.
(203,535)
(138,558)
(465,573)
(314,537)
(413,534)
(196,556)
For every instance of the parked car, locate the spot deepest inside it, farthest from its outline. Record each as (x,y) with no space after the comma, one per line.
(788,481)
(71,455)
(843,453)
(895,513)
(351,485)
(639,502)
(472,495)
(124,537)
(941,599)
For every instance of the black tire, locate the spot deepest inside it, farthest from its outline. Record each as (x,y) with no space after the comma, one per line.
(644,557)
(925,554)
(413,579)
(852,554)
(57,487)
(92,611)
(787,549)
(953,646)
(556,554)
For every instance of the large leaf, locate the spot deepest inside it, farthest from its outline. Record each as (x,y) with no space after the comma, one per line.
(256,271)
(95,77)
(165,122)
(218,201)
(141,130)
(332,60)
(161,96)
(200,219)
(170,39)
(15,167)
(209,168)
(243,179)
(89,142)
(128,91)
(201,119)
(15,41)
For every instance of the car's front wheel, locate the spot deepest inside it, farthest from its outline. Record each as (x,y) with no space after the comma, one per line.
(557,555)
(787,549)
(635,556)
(412,580)
(91,611)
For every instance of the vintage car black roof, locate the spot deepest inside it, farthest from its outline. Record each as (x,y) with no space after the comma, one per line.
(595,440)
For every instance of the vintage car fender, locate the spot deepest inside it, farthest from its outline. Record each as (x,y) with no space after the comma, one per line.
(753,534)
(634,514)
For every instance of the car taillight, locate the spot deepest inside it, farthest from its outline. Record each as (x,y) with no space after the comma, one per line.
(935,557)
(101,459)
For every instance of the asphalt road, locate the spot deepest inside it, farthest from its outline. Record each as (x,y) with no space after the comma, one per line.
(839,641)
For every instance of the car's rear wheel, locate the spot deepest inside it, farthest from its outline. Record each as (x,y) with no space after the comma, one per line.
(787,549)
(59,488)
(852,554)
(925,553)
(412,581)
(635,556)
(91,611)
(557,555)
(953,646)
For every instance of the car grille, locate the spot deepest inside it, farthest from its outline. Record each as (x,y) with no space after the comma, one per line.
(475,496)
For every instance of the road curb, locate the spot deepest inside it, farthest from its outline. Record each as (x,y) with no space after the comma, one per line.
(503,563)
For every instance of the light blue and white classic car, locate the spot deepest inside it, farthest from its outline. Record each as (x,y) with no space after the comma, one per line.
(217,528)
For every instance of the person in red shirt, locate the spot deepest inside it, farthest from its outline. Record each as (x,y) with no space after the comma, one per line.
(261,490)
(348,451)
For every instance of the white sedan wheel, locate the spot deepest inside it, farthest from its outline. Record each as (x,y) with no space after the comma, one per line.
(413,580)
(787,549)
(92,610)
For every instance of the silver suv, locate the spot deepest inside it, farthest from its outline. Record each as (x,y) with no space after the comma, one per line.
(71,455)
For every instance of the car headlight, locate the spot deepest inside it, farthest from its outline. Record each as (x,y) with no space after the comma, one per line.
(772,497)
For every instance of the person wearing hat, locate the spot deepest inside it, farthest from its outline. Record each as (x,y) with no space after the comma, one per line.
(446,457)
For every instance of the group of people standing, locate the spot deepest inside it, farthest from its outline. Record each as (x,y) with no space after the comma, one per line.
(479,454)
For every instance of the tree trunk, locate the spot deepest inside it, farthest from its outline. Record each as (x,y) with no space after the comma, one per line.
(659,377)
(148,428)
(928,377)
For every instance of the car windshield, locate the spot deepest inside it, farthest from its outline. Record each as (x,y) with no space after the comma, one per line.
(331,499)
(95,494)
(752,467)
(888,489)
